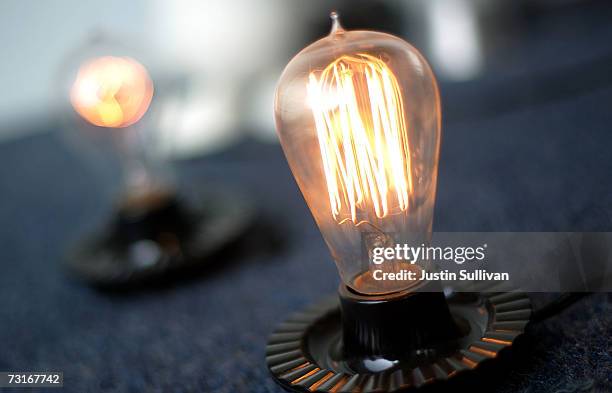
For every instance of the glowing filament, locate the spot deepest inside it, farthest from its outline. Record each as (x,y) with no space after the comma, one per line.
(112,91)
(359,116)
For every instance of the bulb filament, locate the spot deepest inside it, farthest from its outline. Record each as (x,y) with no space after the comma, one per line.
(361,128)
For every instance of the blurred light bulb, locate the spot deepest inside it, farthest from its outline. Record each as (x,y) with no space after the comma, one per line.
(110,119)
(111,91)
(115,92)
(358,116)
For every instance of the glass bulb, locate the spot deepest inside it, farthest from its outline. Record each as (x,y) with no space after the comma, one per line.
(107,109)
(111,91)
(358,117)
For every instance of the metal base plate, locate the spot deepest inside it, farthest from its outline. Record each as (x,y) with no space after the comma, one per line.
(302,352)
(115,257)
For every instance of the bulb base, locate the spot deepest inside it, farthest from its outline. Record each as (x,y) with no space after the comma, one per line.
(160,236)
(395,342)
(396,325)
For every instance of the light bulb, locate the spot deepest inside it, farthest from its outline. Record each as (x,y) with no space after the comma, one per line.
(358,117)
(155,227)
(111,91)
(108,118)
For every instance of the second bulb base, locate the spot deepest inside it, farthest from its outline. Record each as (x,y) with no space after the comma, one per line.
(155,238)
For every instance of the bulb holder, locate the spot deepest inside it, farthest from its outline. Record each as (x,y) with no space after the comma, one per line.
(151,238)
(393,342)
(395,325)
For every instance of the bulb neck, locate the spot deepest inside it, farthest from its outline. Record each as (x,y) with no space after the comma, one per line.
(396,325)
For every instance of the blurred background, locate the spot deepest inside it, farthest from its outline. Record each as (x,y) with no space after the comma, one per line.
(526,146)
(220,59)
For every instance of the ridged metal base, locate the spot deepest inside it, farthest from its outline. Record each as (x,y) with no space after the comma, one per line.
(176,238)
(300,352)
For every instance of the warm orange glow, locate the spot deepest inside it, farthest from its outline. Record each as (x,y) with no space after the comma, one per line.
(112,91)
(359,116)
(482,351)
(303,377)
(496,341)
(320,382)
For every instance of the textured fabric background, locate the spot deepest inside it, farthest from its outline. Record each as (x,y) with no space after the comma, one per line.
(208,334)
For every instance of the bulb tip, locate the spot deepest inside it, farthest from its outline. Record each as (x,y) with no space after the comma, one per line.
(336,26)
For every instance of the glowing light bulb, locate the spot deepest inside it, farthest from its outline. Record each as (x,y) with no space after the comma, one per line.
(358,116)
(111,91)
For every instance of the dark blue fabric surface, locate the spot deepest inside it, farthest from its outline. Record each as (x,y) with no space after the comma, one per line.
(526,149)
(209,334)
